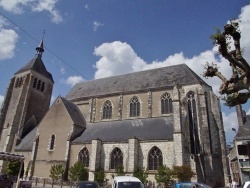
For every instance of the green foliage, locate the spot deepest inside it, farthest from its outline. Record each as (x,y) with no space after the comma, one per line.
(119,171)
(100,176)
(13,168)
(78,172)
(141,174)
(56,171)
(217,36)
(182,173)
(164,175)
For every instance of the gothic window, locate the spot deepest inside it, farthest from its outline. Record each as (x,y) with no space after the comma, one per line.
(155,158)
(20,82)
(17,82)
(107,110)
(52,142)
(166,104)
(84,157)
(42,87)
(35,83)
(134,107)
(193,125)
(116,158)
(208,123)
(39,84)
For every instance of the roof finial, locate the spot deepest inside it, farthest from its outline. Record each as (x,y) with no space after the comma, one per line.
(40,49)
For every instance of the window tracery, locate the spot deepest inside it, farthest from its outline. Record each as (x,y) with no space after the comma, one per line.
(193,125)
(166,104)
(155,158)
(134,107)
(116,159)
(84,157)
(107,110)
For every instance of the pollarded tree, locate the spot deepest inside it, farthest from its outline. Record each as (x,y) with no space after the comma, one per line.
(235,90)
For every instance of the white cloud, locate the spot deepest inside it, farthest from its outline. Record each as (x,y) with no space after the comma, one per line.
(116,58)
(244,17)
(1,100)
(62,70)
(48,5)
(8,40)
(96,25)
(72,80)
(18,6)
(86,6)
(230,121)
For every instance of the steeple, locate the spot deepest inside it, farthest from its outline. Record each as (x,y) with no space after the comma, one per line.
(39,49)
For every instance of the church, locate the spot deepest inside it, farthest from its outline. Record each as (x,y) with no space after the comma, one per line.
(165,116)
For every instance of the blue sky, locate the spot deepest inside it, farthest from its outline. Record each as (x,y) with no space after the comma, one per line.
(86,40)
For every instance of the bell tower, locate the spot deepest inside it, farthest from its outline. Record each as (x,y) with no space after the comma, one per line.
(27,99)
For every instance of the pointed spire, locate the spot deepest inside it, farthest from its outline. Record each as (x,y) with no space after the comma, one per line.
(39,49)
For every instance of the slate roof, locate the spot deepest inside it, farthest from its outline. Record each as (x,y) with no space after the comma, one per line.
(74,112)
(138,81)
(36,64)
(244,131)
(160,128)
(26,143)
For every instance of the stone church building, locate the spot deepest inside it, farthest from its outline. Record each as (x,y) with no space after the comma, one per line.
(166,116)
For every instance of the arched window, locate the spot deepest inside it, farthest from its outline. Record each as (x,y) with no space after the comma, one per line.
(116,158)
(155,158)
(134,107)
(39,84)
(193,125)
(166,104)
(17,82)
(20,82)
(35,83)
(208,123)
(52,142)
(84,157)
(107,110)
(43,87)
